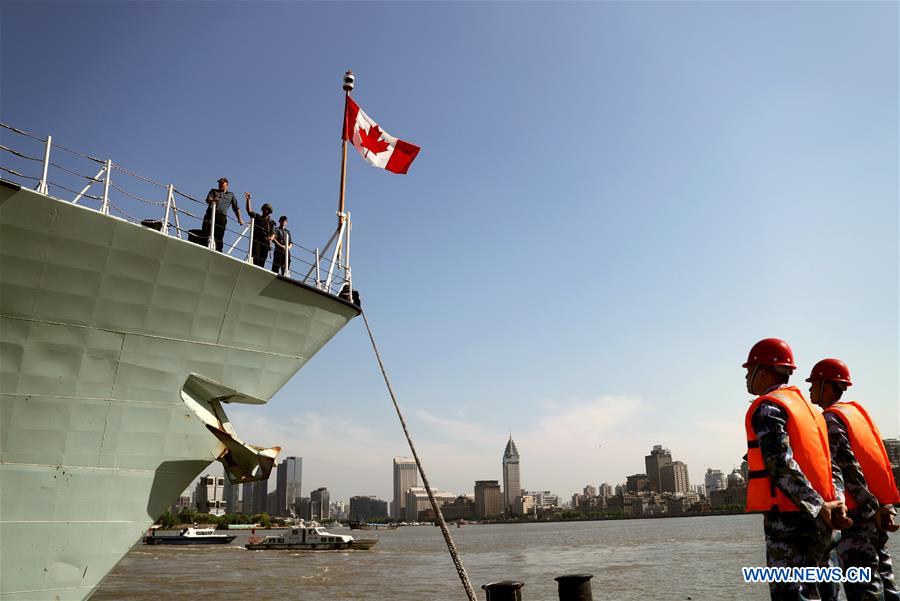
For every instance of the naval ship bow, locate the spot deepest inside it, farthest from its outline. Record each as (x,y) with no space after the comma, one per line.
(123,337)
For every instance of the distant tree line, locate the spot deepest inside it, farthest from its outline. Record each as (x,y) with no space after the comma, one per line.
(189,516)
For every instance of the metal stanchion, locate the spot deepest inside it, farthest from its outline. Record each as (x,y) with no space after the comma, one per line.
(575,587)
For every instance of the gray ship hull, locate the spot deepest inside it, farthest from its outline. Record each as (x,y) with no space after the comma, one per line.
(102,323)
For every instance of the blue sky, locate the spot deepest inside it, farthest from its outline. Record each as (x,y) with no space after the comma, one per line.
(612,203)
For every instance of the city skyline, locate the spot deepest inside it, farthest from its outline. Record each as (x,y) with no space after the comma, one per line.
(409,463)
(488,495)
(466,475)
(405,476)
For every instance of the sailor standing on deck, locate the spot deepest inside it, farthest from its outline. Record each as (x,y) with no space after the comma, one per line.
(856,448)
(791,478)
(283,244)
(263,226)
(219,201)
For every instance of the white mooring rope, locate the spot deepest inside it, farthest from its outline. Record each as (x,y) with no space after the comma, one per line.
(437,510)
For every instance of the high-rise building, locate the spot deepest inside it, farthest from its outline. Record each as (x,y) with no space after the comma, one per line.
(208,496)
(488,499)
(230,496)
(714,480)
(363,509)
(259,493)
(319,504)
(604,490)
(673,477)
(302,508)
(658,457)
(288,484)
(892,446)
(247,498)
(590,491)
(406,476)
(512,480)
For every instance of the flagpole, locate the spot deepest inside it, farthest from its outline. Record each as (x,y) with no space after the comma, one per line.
(343,176)
(348,86)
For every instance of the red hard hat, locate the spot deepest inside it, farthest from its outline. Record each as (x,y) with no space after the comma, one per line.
(831,369)
(771,351)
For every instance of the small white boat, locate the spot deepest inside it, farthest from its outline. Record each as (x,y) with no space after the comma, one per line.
(309,537)
(190,536)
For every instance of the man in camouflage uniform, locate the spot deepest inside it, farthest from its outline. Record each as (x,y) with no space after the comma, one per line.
(865,543)
(793,538)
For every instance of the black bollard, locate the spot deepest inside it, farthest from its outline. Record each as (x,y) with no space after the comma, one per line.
(575,587)
(507,590)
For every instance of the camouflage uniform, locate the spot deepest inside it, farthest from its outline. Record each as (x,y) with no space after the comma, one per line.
(793,538)
(863,544)
(831,591)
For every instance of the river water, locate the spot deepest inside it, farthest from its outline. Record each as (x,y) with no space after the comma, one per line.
(695,558)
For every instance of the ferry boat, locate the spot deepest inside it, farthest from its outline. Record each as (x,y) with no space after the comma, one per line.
(190,536)
(309,537)
(121,345)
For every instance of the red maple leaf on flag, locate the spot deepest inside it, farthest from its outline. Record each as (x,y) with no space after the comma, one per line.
(371,140)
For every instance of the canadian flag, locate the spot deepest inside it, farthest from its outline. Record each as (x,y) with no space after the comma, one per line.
(376,146)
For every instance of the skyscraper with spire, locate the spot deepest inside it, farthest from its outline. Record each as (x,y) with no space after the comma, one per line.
(512,482)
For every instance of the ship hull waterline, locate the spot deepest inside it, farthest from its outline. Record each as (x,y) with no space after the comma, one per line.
(186,540)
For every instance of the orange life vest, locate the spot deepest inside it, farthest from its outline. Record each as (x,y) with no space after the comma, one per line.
(809,445)
(865,441)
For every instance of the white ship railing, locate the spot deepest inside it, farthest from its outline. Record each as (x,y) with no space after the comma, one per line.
(167,209)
